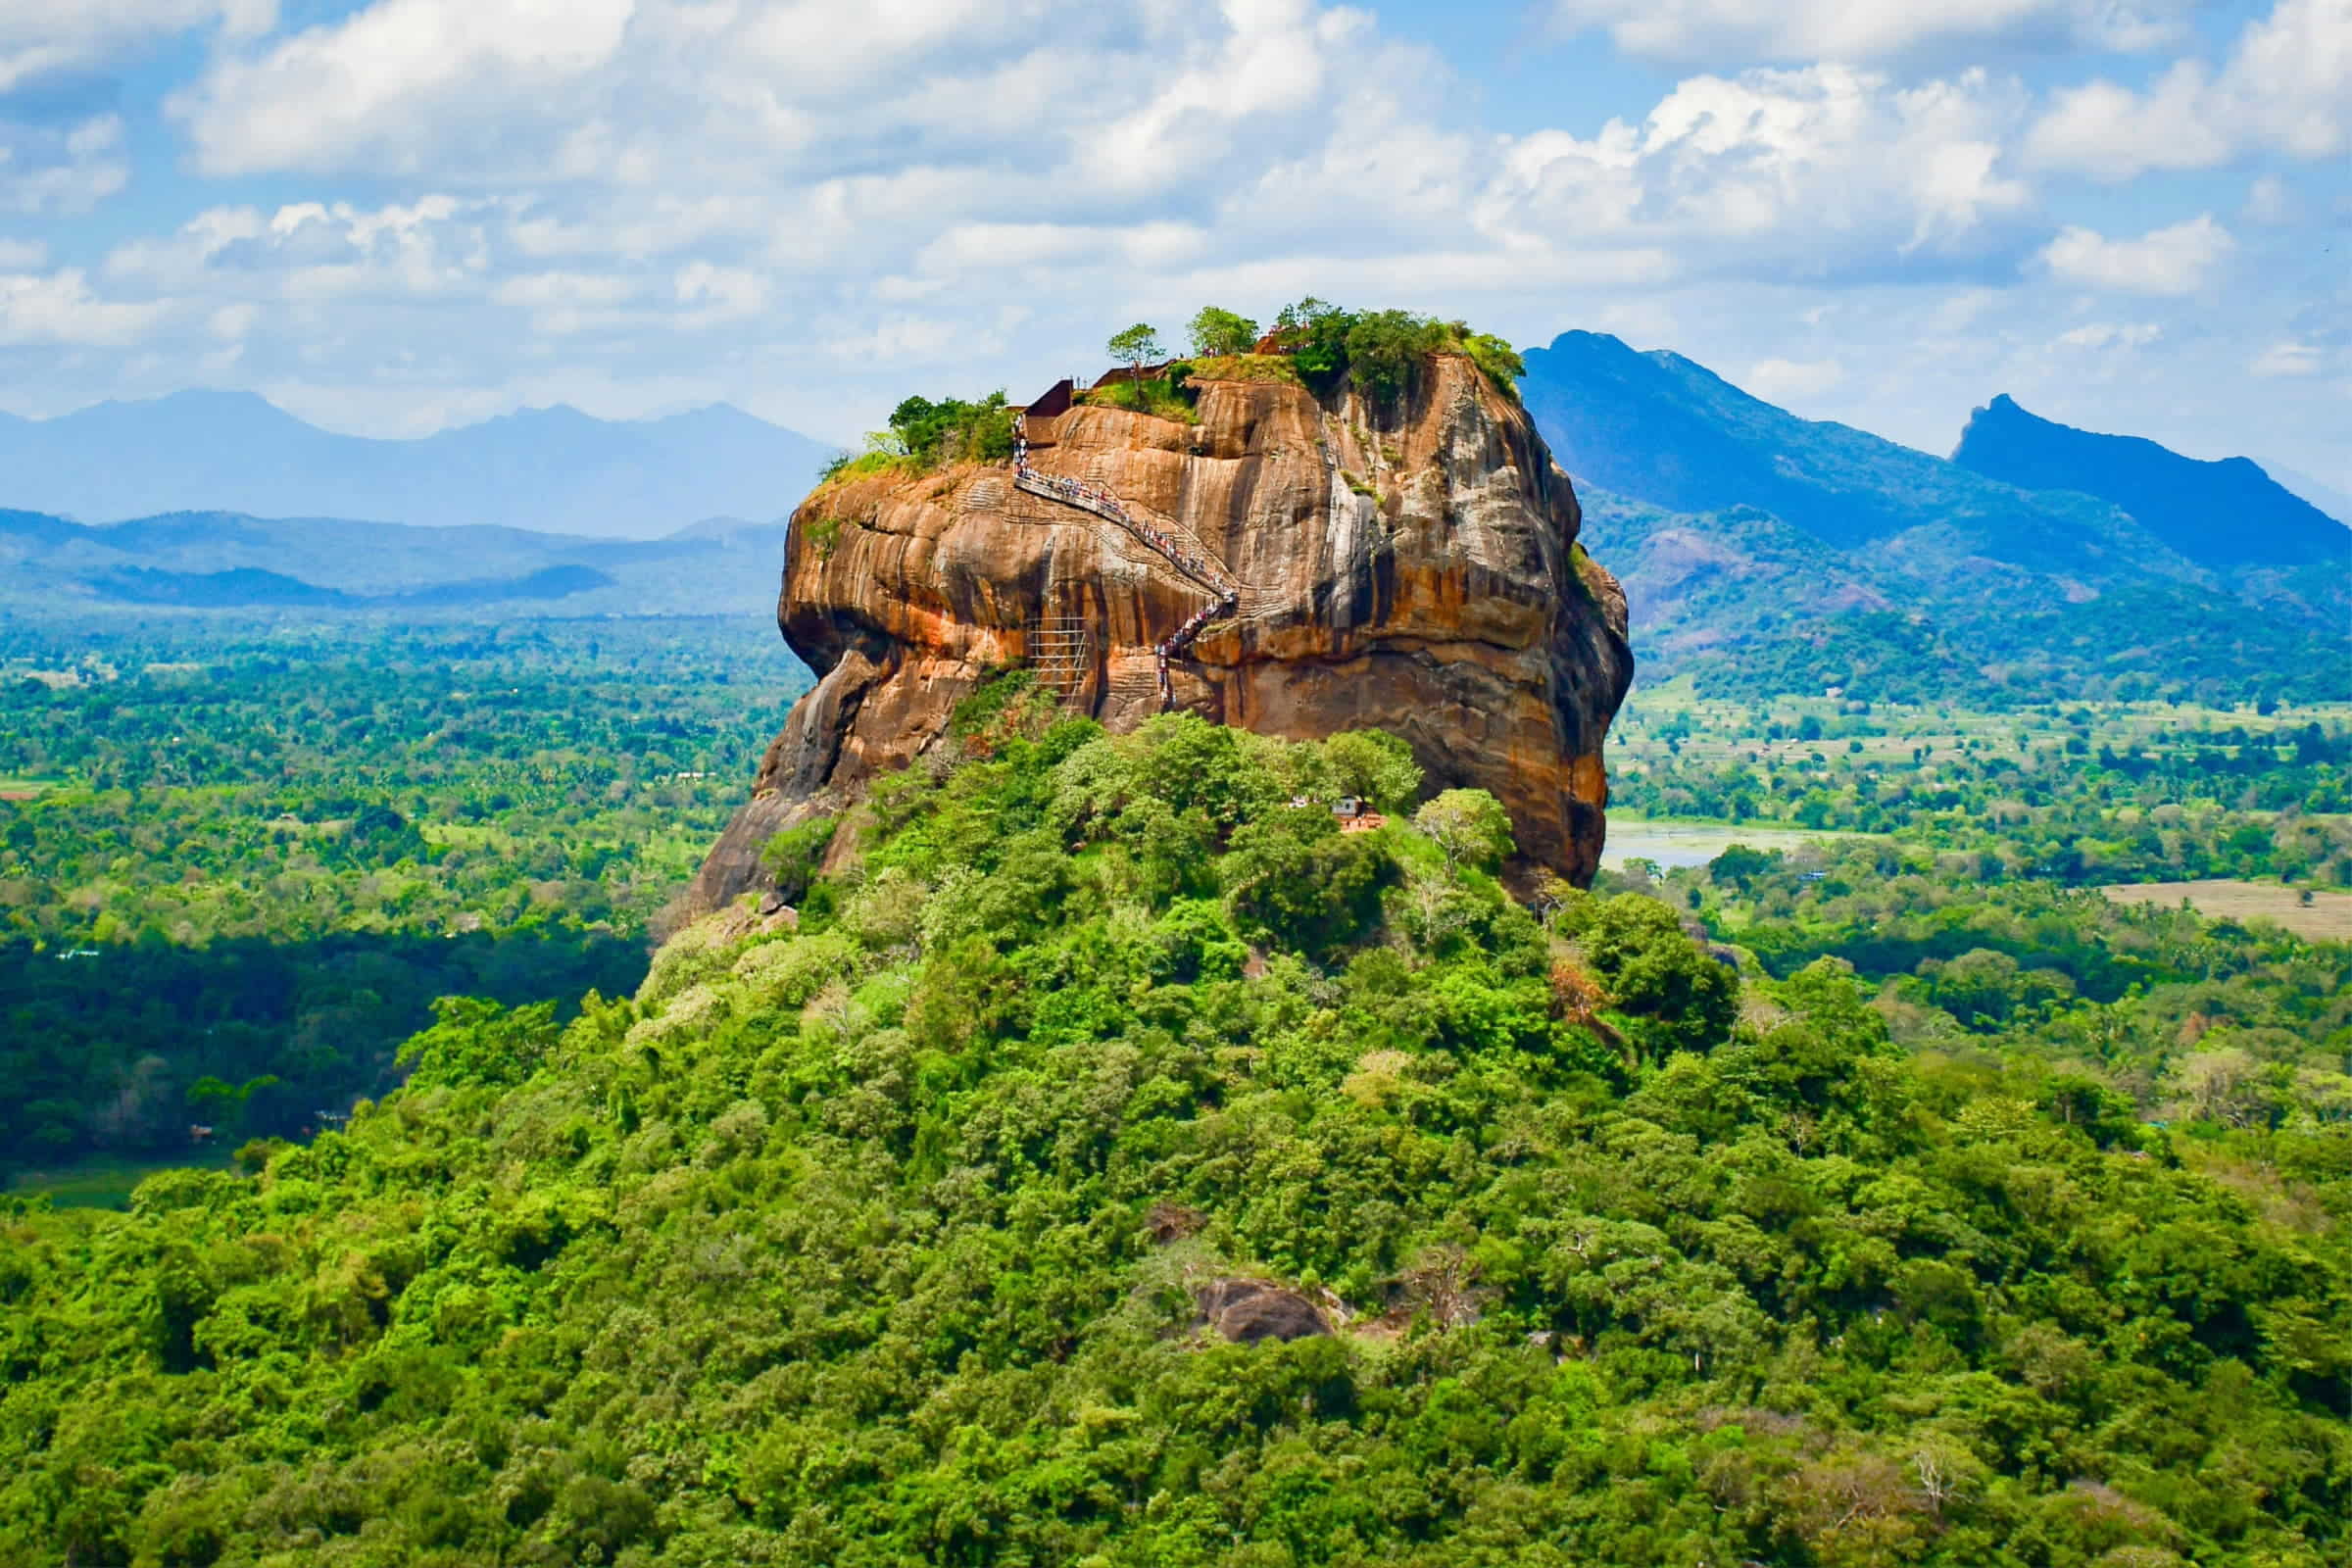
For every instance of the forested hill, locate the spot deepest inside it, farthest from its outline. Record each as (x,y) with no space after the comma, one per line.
(2225,513)
(1664,430)
(1751,606)
(1767,553)
(1117,1163)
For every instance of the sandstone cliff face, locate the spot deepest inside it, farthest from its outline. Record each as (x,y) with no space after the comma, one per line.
(1407,563)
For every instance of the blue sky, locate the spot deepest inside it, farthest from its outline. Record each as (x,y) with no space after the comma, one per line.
(392,216)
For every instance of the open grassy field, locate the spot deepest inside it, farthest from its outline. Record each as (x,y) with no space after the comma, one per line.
(1669,717)
(97,1183)
(2090,795)
(2327,917)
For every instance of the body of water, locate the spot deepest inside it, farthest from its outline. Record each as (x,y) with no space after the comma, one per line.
(1677,844)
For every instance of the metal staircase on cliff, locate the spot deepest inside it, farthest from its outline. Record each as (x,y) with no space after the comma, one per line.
(1176,544)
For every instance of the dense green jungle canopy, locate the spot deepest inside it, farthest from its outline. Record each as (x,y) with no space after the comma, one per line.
(2210,802)
(886,1239)
(250,853)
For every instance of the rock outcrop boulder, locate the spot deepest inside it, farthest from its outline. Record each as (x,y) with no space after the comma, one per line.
(1407,563)
(1246,1311)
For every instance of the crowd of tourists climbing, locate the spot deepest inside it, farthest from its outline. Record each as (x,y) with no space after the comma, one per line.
(1099,501)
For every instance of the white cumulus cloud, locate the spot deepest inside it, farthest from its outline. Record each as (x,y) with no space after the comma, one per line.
(230,322)
(38,38)
(1691,32)
(396,82)
(59,170)
(2177,260)
(2111,334)
(2268,201)
(1811,172)
(2286,87)
(2288,359)
(428,246)
(810,211)
(59,308)
(720,294)
(1791,382)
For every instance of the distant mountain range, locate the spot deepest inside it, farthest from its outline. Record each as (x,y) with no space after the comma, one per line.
(226,560)
(553,469)
(1761,550)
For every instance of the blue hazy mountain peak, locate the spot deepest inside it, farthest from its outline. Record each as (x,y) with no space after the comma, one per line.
(553,468)
(710,413)
(209,408)
(1664,429)
(2321,494)
(2220,513)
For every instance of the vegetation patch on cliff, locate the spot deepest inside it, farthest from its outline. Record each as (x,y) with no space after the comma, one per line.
(923,436)
(1312,343)
(1275,368)
(1167,395)
(822,533)
(1317,343)
(1381,349)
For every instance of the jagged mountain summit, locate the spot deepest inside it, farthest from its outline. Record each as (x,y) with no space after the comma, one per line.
(1304,561)
(555,470)
(2220,514)
(1764,551)
(1662,429)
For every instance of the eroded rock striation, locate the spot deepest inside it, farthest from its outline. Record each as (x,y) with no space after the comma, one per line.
(1407,563)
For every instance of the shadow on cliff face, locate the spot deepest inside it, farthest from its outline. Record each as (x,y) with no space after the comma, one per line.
(107,1050)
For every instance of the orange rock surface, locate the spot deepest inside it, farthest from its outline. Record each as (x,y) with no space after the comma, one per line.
(1407,563)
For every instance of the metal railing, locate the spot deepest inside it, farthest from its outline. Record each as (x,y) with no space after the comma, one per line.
(1197,564)
(1059,648)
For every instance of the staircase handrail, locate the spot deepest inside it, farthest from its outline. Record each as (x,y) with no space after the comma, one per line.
(1099,500)
(1089,497)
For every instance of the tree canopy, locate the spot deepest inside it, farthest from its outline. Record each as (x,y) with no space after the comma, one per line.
(1379,349)
(1135,346)
(1222,331)
(899,1235)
